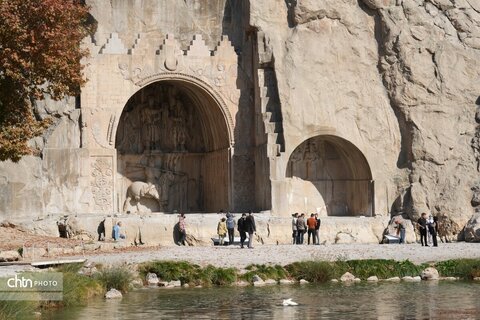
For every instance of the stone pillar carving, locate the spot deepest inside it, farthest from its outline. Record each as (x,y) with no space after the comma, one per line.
(102,183)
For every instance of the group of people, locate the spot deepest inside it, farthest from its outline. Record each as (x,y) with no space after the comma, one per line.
(300,226)
(245,225)
(426,225)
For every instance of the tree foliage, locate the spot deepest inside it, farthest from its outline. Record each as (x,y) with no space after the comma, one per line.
(40,53)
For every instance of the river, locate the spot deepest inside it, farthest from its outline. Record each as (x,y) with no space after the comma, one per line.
(383,300)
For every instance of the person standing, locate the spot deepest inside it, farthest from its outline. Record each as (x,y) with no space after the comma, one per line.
(221,231)
(422,226)
(301,228)
(432,230)
(182,229)
(241,225)
(401,228)
(250,228)
(311,224)
(317,229)
(230,228)
(294,227)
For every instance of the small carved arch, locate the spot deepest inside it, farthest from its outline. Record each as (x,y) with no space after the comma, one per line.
(334,173)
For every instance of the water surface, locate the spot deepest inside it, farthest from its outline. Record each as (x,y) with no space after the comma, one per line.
(423,300)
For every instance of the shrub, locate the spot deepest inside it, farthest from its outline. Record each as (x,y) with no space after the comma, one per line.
(116,277)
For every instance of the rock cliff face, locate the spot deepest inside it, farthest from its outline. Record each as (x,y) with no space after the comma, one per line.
(398,78)
(389,87)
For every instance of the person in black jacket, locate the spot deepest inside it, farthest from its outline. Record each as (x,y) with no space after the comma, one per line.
(250,228)
(422,225)
(241,226)
(432,229)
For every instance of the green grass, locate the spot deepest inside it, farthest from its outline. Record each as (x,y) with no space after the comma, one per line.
(312,271)
(79,289)
(275,272)
(211,275)
(171,270)
(383,269)
(115,277)
(11,309)
(189,273)
(463,268)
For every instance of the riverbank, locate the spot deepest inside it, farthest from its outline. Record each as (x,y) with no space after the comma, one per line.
(234,256)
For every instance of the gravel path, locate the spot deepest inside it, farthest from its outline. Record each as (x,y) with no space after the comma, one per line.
(284,254)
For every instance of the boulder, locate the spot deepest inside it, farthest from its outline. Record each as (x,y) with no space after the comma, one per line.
(286,281)
(347,277)
(472,229)
(11,255)
(152,279)
(257,281)
(113,294)
(270,281)
(430,273)
(137,283)
(175,283)
(242,283)
(334,280)
(372,279)
(393,279)
(303,281)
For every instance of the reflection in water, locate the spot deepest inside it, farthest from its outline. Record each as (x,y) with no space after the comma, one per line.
(424,300)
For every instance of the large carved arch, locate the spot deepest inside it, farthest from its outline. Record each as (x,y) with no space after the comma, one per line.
(332,175)
(175,133)
(194,82)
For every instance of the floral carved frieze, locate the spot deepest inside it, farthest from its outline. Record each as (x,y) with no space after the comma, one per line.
(102,183)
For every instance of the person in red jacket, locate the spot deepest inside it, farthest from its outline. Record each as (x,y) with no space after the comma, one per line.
(311,224)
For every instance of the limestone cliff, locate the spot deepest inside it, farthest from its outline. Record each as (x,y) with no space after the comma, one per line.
(400,78)
(389,87)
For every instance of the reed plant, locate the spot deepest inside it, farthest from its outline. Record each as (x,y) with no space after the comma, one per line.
(115,278)
(17,309)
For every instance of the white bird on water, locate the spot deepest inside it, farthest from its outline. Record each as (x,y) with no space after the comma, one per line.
(289,302)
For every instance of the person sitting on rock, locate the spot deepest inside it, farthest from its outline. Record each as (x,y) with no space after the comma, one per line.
(118,232)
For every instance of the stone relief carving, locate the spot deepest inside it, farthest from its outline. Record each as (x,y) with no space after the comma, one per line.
(159,175)
(138,190)
(102,183)
(163,121)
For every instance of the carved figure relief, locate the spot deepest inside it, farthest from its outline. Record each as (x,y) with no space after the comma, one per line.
(102,183)
(161,121)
